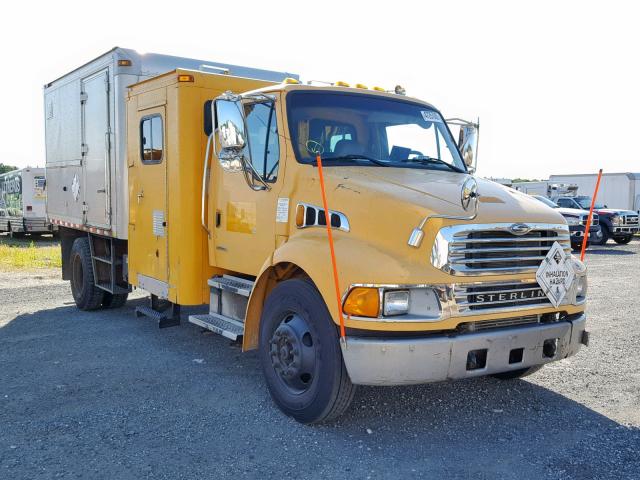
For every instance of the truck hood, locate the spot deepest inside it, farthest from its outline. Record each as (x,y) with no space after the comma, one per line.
(572,212)
(435,192)
(615,211)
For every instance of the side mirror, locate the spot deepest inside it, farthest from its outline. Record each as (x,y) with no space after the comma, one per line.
(467,141)
(229,122)
(468,144)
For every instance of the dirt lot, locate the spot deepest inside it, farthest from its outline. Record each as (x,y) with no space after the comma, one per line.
(106,395)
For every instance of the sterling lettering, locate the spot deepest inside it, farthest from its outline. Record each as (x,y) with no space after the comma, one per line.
(506,297)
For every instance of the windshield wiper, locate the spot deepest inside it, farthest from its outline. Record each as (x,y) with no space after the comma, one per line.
(358,157)
(427,160)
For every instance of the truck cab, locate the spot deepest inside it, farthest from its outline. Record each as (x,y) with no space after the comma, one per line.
(617,224)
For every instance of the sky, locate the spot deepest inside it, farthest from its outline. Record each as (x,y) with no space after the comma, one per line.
(554,83)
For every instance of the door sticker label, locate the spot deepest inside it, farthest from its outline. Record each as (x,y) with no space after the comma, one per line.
(282,210)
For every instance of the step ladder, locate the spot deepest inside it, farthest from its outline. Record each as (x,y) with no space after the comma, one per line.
(228,300)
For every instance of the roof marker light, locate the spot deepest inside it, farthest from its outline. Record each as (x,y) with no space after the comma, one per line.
(362,85)
(290,81)
(340,83)
(124,63)
(379,89)
(185,78)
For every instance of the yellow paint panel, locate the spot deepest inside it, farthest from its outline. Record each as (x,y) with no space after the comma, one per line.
(241,217)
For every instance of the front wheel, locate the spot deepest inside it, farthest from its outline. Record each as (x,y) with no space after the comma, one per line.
(301,356)
(606,235)
(623,240)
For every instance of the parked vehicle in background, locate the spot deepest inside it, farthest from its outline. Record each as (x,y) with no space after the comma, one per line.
(213,196)
(620,225)
(23,202)
(577,221)
(619,189)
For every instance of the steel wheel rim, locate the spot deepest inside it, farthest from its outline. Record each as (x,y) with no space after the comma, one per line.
(293,352)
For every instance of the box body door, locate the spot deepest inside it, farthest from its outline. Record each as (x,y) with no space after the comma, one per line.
(148,239)
(96,149)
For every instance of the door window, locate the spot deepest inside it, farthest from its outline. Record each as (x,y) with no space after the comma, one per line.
(566,203)
(263,139)
(151,139)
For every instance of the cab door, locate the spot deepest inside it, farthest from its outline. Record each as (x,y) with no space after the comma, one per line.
(244,230)
(148,262)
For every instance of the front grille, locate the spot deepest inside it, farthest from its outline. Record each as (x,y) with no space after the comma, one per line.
(499,296)
(630,220)
(595,220)
(496,249)
(501,323)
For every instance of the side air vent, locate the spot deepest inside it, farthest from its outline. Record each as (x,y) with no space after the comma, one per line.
(311,216)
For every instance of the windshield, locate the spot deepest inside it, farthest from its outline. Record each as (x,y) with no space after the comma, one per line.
(546,201)
(367,130)
(585,202)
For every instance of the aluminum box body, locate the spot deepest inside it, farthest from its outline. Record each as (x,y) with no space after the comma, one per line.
(85,135)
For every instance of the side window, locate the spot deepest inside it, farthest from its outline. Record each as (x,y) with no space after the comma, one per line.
(566,203)
(151,139)
(262,129)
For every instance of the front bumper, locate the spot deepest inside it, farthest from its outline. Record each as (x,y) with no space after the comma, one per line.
(625,230)
(577,233)
(375,361)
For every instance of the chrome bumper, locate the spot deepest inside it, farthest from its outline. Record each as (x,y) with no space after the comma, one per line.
(375,361)
(628,229)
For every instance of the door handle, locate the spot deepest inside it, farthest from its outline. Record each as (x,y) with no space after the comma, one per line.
(140,195)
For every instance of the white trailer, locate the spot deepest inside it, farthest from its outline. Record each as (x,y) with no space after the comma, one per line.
(22,202)
(85,135)
(617,190)
(547,188)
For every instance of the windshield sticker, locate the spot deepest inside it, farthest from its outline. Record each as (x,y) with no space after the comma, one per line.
(430,116)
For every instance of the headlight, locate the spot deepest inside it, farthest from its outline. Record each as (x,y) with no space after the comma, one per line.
(616,220)
(396,302)
(573,220)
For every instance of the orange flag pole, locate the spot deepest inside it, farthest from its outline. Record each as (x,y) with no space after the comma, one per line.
(588,225)
(334,264)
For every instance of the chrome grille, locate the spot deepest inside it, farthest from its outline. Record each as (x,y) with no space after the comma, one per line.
(630,220)
(595,220)
(495,249)
(498,296)
(500,323)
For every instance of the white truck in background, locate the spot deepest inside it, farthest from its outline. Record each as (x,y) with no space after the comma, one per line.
(23,202)
(617,190)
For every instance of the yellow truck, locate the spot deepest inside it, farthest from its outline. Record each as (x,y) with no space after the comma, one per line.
(438,274)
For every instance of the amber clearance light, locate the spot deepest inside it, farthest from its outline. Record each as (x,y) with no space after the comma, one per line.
(362,302)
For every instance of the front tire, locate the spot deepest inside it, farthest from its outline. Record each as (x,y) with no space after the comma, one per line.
(606,235)
(300,354)
(623,240)
(85,293)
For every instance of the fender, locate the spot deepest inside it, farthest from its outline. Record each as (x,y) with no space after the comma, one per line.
(307,254)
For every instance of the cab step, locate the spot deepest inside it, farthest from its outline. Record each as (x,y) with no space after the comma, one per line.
(232,284)
(225,326)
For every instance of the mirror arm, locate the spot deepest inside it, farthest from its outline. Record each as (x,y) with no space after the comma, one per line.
(205,182)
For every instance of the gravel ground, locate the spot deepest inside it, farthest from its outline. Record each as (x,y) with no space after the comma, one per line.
(106,395)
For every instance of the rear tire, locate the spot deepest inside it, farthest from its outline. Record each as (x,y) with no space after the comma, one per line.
(300,354)
(85,293)
(513,374)
(623,240)
(114,300)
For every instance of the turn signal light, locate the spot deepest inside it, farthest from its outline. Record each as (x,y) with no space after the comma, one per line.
(362,302)
(185,78)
